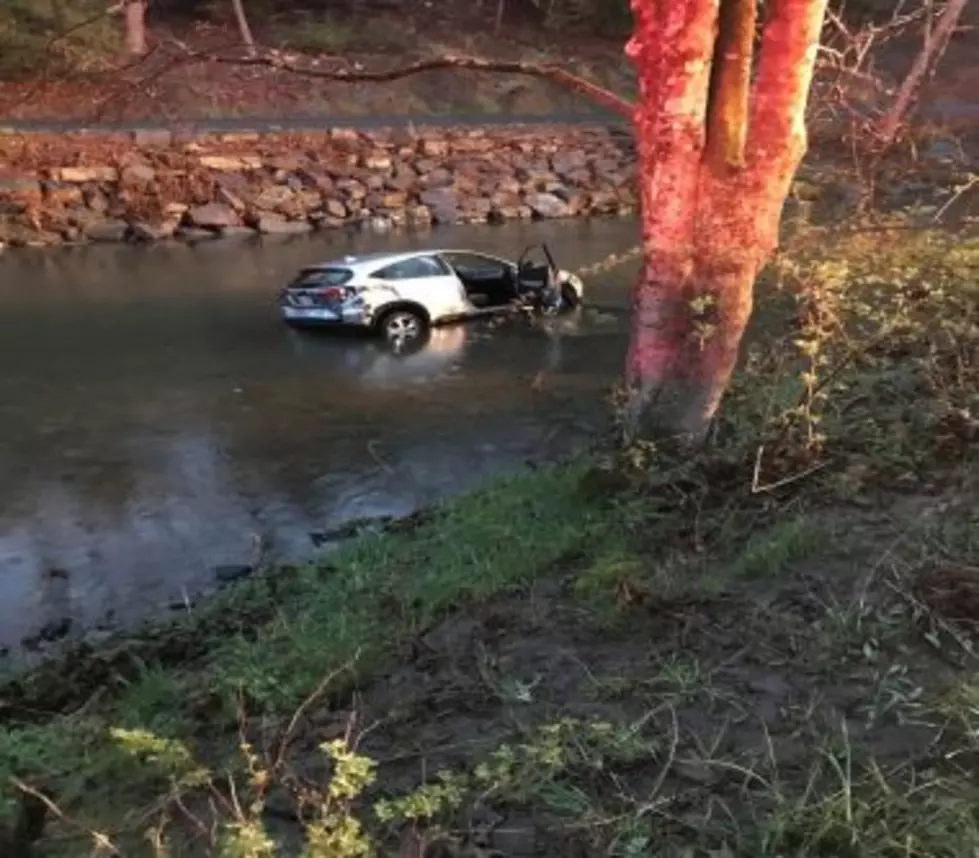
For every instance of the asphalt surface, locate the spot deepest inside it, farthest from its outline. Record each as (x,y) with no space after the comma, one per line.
(312,123)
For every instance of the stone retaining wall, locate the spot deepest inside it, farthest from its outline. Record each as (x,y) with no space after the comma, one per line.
(152,186)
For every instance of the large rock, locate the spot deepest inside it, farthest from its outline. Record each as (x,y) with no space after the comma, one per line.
(284,163)
(17,195)
(506,200)
(419,215)
(96,200)
(272,197)
(85,175)
(604,201)
(137,175)
(149,232)
(437,178)
(351,189)
(273,224)
(346,138)
(236,232)
(58,194)
(433,147)
(334,208)
(230,163)
(320,181)
(476,210)
(236,183)
(307,201)
(193,234)
(443,204)
(569,161)
(548,206)
(474,141)
(213,216)
(391,201)
(108,230)
(378,160)
(340,166)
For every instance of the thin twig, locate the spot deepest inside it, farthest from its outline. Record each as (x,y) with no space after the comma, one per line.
(301,709)
(101,841)
(959,192)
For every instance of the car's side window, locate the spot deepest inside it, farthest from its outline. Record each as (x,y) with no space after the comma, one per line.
(475,265)
(409,269)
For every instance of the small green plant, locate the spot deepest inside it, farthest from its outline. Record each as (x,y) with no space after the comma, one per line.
(773,551)
(533,771)
(317,35)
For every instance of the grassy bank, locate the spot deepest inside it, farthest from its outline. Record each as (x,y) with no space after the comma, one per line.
(764,651)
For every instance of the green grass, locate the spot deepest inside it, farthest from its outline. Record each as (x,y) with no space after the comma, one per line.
(52,37)
(763,650)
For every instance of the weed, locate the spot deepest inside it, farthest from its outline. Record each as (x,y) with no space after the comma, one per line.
(770,552)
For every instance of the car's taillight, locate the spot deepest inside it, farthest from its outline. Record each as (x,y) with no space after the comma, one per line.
(333,293)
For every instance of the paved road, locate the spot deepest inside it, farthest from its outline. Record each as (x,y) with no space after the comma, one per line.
(312,123)
(939,109)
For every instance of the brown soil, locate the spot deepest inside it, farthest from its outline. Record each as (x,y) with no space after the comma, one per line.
(738,690)
(164,85)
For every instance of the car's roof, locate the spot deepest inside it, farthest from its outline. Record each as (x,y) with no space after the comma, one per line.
(358,261)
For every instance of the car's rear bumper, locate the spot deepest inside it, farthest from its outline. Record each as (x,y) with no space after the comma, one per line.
(343,317)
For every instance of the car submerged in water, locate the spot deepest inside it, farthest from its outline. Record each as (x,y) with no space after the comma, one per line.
(402,295)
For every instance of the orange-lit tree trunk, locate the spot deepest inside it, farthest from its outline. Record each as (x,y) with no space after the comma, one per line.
(134,12)
(717,154)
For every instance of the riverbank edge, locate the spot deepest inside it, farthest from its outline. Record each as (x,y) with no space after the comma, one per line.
(38,691)
(157,185)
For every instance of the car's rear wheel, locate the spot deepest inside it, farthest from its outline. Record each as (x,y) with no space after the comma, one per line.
(402,326)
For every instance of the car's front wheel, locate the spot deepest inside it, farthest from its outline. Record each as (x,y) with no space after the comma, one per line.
(402,326)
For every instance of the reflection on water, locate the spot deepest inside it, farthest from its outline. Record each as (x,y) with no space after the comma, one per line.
(157,419)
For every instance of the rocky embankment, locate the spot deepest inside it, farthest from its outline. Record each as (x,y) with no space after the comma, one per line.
(153,186)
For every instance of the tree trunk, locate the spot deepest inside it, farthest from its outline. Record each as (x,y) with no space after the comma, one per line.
(935,42)
(135,17)
(243,27)
(500,11)
(713,180)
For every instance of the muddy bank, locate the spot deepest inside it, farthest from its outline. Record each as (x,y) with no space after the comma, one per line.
(154,185)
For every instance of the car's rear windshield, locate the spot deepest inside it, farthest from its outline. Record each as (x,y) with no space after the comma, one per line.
(316,278)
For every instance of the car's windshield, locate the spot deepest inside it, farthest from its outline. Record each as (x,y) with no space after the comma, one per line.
(317,278)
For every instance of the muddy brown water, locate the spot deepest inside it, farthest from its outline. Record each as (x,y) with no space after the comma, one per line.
(156,419)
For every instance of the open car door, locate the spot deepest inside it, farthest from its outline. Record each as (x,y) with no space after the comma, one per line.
(537,278)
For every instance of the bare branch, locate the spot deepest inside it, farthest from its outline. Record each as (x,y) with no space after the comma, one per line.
(935,41)
(243,26)
(275,60)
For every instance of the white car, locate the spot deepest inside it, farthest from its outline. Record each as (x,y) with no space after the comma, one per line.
(401,295)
